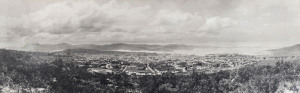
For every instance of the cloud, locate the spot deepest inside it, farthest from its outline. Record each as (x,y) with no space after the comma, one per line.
(215,24)
(64,18)
(151,21)
(114,21)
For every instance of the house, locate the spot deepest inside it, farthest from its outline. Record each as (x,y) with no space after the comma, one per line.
(138,70)
(99,70)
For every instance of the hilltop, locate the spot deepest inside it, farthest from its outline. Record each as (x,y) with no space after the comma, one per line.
(287,51)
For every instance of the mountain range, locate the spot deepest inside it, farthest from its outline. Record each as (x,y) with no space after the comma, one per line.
(35,47)
(111,47)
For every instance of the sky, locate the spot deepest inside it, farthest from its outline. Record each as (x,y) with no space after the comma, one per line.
(149,22)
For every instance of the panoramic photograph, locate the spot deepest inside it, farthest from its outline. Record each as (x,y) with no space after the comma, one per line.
(149,46)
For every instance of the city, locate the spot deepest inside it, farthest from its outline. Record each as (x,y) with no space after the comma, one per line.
(149,46)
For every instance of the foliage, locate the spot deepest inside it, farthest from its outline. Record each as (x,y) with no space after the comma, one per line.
(65,77)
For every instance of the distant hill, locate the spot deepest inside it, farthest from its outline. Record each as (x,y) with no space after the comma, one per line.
(92,51)
(48,47)
(287,51)
(110,47)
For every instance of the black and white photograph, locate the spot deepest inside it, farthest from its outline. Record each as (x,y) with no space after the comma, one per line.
(149,46)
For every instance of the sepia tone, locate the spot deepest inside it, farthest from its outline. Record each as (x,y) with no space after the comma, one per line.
(149,46)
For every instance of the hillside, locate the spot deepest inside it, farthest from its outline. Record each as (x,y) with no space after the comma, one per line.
(110,47)
(93,51)
(287,51)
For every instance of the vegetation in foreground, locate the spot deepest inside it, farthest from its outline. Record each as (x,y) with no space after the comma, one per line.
(64,77)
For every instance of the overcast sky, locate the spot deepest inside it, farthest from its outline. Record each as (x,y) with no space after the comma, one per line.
(148,21)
